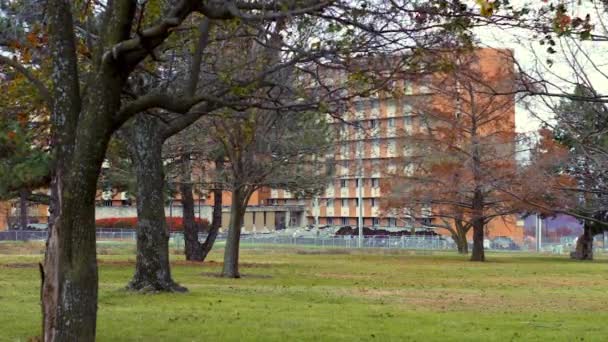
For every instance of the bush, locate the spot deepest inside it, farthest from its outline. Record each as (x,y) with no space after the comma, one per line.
(174,223)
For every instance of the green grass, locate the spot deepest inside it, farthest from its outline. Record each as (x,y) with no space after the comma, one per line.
(331,295)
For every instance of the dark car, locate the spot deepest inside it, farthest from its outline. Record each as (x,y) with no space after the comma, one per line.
(504,242)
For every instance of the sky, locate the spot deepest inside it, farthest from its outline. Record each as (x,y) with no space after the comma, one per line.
(530,54)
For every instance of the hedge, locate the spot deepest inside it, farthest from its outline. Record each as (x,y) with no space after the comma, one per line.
(174,223)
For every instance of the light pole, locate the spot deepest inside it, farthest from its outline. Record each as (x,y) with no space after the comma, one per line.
(360,192)
(539,233)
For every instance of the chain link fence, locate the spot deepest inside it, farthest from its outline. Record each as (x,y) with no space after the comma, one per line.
(128,236)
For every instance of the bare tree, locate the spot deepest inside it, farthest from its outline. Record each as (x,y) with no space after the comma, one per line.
(465,150)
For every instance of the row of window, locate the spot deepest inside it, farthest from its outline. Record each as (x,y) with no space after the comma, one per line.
(375,123)
(375,182)
(344,202)
(374,106)
(375,148)
(390,122)
(392,222)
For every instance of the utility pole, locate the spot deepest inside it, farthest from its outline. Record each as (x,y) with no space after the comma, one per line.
(539,233)
(315,206)
(360,192)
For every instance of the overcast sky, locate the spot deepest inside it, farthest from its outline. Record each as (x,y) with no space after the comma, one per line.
(531,55)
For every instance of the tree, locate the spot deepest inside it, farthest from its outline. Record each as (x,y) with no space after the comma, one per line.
(465,151)
(197,164)
(268,149)
(581,128)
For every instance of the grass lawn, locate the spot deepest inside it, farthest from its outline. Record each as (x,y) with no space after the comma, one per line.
(331,295)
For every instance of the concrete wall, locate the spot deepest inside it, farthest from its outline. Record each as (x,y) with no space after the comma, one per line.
(108,212)
(206,213)
(248,225)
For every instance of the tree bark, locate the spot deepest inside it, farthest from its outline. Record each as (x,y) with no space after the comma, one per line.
(231,251)
(193,248)
(461,243)
(70,284)
(584,245)
(152,269)
(215,224)
(478,227)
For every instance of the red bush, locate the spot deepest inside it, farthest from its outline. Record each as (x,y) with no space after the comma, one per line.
(174,223)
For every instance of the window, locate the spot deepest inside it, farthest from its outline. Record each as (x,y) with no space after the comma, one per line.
(391,147)
(407,87)
(391,122)
(392,222)
(357,202)
(344,150)
(344,221)
(330,202)
(375,182)
(253,219)
(344,183)
(407,122)
(391,108)
(408,169)
(359,106)
(330,221)
(407,109)
(373,202)
(373,123)
(344,203)
(264,219)
(375,107)
(375,221)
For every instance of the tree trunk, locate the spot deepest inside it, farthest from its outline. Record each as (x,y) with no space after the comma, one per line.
(70,278)
(231,251)
(478,228)
(193,248)
(215,224)
(584,245)
(152,269)
(478,237)
(23,209)
(461,243)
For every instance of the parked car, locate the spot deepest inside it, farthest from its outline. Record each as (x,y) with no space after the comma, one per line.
(504,242)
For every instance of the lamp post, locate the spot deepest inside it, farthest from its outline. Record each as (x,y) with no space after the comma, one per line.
(360,192)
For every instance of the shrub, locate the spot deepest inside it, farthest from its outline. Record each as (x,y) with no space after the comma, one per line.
(174,223)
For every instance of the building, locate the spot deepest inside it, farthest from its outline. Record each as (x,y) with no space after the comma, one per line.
(372,144)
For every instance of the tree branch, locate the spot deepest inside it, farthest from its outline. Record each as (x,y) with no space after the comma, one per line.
(42,89)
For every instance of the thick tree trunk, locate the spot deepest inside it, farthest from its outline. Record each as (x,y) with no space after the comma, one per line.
(193,248)
(23,209)
(478,237)
(584,246)
(69,289)
(461,243)
(231,251)
(152,269)
(215,224)
(478,228)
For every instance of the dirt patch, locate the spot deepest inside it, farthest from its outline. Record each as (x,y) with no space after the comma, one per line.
(188,263)
(243,275)
(19,265)
(466,300)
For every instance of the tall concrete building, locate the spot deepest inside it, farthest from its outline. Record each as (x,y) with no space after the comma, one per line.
(372,143)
